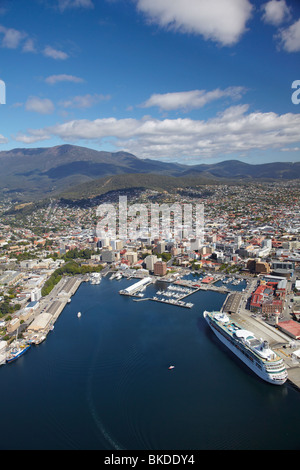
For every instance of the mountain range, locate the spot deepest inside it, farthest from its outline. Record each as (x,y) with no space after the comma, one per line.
(43,172)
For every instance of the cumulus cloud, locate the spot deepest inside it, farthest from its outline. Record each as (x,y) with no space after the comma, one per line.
(216,20)
(11,37)
(29,46)
(53,79)
(35,136)
(290,37)
(3,140)
(233,131)
(276,12)
(14,39)
(54,53)
(85,101)
(188,100)
(39,105)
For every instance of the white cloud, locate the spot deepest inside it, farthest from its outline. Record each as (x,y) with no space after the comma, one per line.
(66,4)
(194,99)
(234,131)
(29,46)
(290,37)
(54,53)
(39,105)
(53,79)
(85,101)
(275,12)
(31,139)
(3,140)
(216,20)
(11,37)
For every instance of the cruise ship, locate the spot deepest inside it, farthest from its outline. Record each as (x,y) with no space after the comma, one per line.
(255,353)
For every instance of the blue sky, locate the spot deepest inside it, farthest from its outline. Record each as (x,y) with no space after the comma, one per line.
(192,81)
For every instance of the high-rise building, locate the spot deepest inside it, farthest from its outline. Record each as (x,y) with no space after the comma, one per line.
(161,247)
(116,244)
(160,268)
(131,256)
(36,294)
(150,260)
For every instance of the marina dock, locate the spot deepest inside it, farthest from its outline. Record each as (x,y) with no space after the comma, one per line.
(202,286)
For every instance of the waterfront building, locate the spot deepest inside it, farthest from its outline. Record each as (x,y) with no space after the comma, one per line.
(160,268)
(150,260)
(268,297)
(290,327)
(131,256)
(13,325)
(258,266)
(108,256)
(41,322)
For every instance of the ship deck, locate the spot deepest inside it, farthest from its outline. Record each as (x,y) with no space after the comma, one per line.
(233,326)
(278,341)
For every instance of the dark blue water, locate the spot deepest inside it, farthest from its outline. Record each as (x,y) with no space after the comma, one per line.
(102,382)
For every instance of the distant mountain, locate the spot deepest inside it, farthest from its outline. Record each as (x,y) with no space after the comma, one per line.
(45,171)
(238,169)
(36,173)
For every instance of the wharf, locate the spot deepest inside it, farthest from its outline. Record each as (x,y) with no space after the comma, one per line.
(205,287)
(282,344)
(51,307)
(64,293)
(176,303)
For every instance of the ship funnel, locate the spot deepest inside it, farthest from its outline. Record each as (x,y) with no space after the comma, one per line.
(265,345)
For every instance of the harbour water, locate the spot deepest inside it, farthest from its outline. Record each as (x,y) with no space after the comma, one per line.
(102,381)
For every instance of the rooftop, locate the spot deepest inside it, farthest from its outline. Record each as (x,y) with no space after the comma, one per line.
(291,327)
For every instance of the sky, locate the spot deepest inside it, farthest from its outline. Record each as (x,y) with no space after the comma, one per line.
(189,81)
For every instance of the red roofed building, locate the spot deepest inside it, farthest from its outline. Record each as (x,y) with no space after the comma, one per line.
(266,299)
(290,327)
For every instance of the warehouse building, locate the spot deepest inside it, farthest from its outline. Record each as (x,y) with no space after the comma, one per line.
(41,322)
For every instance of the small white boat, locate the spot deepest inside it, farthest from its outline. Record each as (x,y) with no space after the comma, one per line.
(171,367)
(79,314)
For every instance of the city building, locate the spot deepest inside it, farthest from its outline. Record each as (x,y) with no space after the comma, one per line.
(108,256)
(150,260)
(131,256)
(160,268)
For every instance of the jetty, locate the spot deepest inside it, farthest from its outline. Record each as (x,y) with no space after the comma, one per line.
(137,288)
(50,309)
(200,285)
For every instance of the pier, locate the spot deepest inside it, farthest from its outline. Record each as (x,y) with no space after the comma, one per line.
(282,344)
(137,288)
(201,286)
(50,309)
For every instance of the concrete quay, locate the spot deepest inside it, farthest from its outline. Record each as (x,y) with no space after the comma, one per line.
(200,286)
(51,307)
(282,344)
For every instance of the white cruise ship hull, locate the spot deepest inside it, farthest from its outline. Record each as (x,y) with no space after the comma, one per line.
(277,380)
